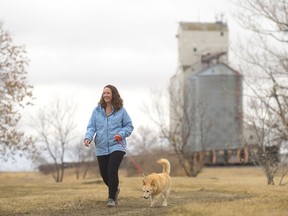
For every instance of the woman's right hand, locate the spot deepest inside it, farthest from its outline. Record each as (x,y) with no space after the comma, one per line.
(87,142)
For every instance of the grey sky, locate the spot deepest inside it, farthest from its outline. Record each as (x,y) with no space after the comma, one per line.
(88,42)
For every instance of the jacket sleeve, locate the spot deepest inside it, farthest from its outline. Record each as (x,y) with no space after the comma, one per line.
(91,128)
(127,126)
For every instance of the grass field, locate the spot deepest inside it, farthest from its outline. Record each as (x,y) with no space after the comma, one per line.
(216,191)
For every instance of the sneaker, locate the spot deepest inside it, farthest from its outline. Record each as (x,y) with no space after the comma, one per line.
(116,196)
(110,203)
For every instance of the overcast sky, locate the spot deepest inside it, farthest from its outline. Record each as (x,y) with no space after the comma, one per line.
(76,47)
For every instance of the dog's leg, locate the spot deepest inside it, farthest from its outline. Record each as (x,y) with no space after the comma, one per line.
(152,200)
(165,196)
(164,200)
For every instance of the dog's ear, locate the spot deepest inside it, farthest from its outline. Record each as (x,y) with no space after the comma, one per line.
(152,183)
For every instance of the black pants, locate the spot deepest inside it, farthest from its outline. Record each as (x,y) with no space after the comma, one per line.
(109,166)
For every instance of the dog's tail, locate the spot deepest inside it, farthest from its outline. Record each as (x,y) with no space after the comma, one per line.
(165,164)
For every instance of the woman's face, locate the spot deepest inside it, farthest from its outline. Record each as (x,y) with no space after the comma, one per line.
(107,95)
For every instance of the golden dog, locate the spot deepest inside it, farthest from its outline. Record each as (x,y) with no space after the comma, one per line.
(158,183)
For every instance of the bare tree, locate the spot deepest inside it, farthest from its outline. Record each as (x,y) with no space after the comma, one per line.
(264,63)
(179,131)
(83,158)
(146,140)
(189,128)
(57,131)
(265,152)
(15,94)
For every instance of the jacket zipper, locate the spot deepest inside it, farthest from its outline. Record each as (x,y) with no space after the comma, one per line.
(107,135)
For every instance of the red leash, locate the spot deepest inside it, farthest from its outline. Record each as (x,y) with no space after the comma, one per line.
(131,158)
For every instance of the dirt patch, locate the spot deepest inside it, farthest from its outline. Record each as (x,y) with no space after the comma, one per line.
(130,206)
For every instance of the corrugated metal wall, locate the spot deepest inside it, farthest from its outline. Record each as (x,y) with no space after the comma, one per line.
(215,103)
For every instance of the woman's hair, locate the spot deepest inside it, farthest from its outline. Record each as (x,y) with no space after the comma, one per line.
(117,101)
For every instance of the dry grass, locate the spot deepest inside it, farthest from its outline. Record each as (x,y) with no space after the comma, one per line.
(216,191)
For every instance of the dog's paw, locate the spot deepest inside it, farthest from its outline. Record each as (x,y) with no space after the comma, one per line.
(164,204)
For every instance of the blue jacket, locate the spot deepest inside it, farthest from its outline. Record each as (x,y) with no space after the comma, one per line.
(104,128)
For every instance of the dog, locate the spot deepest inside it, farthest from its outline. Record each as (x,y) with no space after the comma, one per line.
(155,184)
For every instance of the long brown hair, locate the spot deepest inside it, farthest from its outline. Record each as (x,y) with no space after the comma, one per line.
(117,101)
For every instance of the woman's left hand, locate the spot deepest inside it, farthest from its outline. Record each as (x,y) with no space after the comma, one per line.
(118,137)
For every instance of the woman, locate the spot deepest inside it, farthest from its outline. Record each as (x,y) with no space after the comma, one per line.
(111,124)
